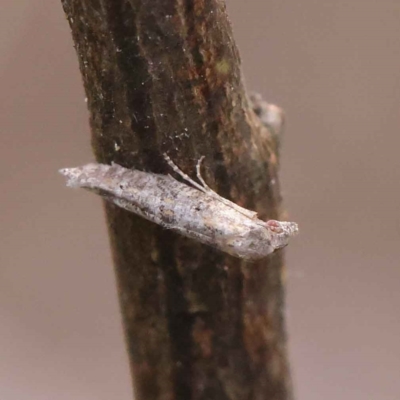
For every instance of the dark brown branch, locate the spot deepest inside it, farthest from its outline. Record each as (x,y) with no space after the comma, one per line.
(164,76)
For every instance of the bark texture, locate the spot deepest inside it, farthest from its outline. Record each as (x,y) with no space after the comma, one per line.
(164,76)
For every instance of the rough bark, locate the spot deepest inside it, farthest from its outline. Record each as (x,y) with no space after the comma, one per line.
(164,76)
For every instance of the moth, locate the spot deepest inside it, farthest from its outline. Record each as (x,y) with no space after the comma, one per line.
(195,211)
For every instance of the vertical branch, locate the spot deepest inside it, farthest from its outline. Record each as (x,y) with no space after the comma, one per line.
(164,76)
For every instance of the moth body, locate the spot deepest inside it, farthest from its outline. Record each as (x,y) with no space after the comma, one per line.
(184,209)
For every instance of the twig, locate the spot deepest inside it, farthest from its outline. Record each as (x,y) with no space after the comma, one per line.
(164,77)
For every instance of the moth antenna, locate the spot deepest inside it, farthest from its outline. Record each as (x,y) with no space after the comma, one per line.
(206,189)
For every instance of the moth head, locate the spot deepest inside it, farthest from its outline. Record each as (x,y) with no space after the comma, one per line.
(281,232)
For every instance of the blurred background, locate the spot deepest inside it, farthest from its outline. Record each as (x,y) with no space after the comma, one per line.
(334,68)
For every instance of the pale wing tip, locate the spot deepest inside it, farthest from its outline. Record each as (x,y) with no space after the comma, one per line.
(78,176)
(85,176)
(72,175)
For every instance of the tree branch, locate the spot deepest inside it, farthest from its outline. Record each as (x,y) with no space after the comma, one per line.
(164,76)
